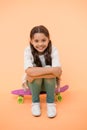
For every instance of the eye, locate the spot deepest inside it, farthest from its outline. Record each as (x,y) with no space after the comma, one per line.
(43,40)
(36,40)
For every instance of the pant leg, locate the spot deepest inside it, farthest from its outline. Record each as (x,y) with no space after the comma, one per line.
(35,88)
(49,85)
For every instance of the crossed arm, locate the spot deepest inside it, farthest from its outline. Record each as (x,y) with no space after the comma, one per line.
(43,72)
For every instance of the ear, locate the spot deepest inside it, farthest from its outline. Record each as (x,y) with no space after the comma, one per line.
(31,41)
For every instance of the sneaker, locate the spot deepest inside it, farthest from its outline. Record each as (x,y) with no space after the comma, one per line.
(36,109)
(51,110)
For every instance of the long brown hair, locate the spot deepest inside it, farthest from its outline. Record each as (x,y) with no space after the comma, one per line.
(47,52)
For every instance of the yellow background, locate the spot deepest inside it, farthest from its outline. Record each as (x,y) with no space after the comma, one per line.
(67,24)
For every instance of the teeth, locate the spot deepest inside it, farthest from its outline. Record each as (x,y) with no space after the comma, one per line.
(40,47)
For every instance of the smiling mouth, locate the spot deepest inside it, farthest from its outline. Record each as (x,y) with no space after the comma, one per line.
(40,48)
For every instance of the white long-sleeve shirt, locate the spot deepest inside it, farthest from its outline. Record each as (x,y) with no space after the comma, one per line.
(29,60)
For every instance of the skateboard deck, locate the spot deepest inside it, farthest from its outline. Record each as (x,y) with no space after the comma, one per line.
(22,92)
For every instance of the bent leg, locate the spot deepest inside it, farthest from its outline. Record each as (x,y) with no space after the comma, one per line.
(35,88)
(50,89)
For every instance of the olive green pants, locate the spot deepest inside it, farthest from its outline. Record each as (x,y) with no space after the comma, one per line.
(39,85)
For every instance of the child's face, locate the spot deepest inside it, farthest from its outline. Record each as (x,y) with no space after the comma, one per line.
(40,42)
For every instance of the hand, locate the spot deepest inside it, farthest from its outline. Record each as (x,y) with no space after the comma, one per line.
(25,86)
(30,78)
(57,72)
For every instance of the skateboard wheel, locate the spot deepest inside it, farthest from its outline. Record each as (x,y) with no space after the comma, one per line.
(20,99)
(58,97)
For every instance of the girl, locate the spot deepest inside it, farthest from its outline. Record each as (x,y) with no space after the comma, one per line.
(42,68)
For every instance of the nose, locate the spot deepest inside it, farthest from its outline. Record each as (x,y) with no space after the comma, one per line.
(40,43)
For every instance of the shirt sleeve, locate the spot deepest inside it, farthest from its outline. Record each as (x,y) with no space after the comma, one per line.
(28,61)
(24,78)
(55,58)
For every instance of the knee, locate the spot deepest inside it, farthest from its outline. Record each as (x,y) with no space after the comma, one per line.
(37,81)
(50,81)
